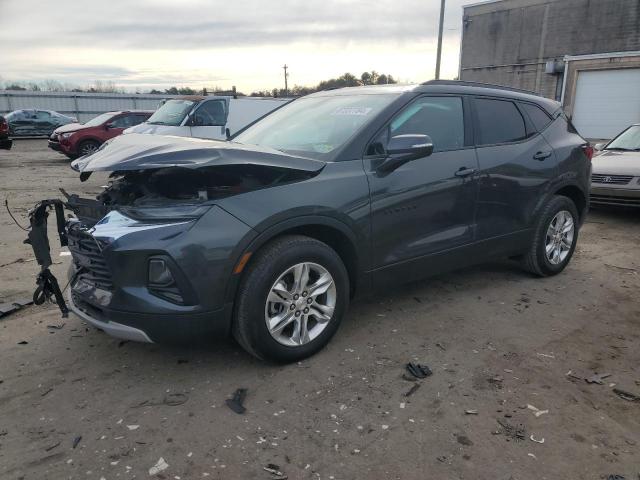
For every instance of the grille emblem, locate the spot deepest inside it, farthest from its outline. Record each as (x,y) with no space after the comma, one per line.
(606,179)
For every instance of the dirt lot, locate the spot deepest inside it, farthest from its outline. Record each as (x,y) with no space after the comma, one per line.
(497,340)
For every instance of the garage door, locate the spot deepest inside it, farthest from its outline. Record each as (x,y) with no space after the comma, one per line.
(607,101)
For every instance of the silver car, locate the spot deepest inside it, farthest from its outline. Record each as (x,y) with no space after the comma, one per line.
(615,178)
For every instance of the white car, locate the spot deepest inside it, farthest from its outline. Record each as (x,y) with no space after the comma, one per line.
(213,117)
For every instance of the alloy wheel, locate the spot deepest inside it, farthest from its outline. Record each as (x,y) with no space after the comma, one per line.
(300,304)
(88,149)
(559,238)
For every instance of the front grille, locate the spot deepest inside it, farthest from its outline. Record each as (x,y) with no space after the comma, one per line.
(610,179)
(54,137)
(88,258)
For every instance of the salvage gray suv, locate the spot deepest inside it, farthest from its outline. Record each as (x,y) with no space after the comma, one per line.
(342,192)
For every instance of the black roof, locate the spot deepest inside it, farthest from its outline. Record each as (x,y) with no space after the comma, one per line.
(448,87)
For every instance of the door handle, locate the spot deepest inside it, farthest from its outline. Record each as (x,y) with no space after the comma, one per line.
(465,172)
(541,155)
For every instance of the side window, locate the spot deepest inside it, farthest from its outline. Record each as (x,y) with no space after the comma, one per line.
(42,115)
(125,121)
(211,113)
(138,119)
(499,121)
(538,117)
(441,118)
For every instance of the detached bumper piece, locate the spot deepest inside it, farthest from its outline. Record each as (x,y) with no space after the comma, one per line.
(47,284)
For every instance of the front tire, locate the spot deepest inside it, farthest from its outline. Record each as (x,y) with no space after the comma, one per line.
(291,299)
(555,238)
(87,147)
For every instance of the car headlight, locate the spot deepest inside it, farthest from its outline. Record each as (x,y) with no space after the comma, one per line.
(171,212)
(65,135)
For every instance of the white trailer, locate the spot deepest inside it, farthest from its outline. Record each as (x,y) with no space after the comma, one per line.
(212,117)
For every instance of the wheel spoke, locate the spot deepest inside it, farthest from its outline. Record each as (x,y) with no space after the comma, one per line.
(321,285)
(549,248)
(281,289)
(301,332)
(566,243)
(323,313)
(279,322)
(300,277)
(568,226)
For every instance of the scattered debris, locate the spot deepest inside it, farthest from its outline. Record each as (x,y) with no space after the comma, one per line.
(7,308)
(412,390)
(534,439)
(46,392)
(175,399)
(536,411)
(23,342)
(51,447)
(56,327)
(628,396)
(471,412)
(160,466)
(597,378)
(546,355)
(236,402)
(511,431)
(441,347)
(616,477)
(496,380)
(620,268)
(532,456)
(76,441)
(418,371)
(464,440)
(274,470)
(133,427)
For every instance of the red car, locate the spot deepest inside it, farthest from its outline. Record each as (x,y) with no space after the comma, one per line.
(5,141)
(76,139)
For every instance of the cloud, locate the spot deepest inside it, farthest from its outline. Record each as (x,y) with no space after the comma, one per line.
(202,42)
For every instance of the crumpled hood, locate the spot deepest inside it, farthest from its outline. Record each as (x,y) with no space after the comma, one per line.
(69,127)
(614,162)
(143,152)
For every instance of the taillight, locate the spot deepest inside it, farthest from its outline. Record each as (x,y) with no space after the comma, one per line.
(588,150)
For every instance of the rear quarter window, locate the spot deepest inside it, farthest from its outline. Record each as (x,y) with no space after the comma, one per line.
(538,117)
(499,121)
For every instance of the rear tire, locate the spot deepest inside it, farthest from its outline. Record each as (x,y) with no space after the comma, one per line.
(291,299)
(87,147)
(555,238)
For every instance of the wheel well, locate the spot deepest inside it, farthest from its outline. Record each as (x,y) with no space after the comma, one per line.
(336,240)
(578,198)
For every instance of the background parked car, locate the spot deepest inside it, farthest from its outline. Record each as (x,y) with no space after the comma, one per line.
(207,117)
(5,142)
(616,170)
(75,139)
(36,122)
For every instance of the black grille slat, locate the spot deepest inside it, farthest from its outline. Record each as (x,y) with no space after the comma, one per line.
(610,179)
(87,255)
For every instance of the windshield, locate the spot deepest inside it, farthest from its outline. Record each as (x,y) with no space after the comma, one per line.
(627,140)
(315,126)
(99,120)
(171,113)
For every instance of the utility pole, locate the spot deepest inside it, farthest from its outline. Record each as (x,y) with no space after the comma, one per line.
(439,53)
(286,84)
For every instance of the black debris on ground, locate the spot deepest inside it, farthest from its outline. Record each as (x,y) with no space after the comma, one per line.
(236,403)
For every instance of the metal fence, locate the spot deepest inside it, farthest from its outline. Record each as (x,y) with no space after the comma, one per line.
(83,106)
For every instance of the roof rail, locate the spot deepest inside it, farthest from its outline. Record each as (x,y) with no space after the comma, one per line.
(464,83)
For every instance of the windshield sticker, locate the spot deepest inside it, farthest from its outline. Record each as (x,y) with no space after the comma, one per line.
(352,111)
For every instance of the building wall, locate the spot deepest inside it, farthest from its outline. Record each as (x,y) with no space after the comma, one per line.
(508,42)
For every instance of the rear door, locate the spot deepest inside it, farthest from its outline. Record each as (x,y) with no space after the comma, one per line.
(209,119)
(517,166)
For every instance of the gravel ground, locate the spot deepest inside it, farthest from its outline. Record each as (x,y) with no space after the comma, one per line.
(75,403)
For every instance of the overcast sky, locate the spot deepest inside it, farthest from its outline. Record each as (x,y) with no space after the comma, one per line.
(158,43)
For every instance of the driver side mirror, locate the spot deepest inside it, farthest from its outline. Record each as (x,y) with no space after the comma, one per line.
(599,146)
(107,126)
(405,148)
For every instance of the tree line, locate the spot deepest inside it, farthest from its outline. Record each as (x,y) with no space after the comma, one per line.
(99,86)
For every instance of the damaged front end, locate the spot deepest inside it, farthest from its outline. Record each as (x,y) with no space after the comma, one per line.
(154,248)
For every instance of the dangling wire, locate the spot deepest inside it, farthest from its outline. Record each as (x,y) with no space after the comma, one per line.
(6,204)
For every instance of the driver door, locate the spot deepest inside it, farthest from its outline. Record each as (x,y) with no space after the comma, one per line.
(209,119)
(426,206)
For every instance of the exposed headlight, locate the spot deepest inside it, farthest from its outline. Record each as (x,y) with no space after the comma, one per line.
(172,213)
(65,135)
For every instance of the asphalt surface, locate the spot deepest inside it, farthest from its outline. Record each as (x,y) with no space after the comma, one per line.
(509,354)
